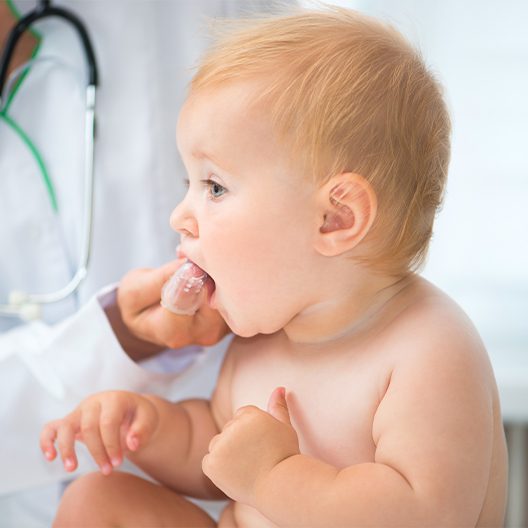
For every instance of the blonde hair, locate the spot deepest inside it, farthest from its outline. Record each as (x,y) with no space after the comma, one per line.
(349,94)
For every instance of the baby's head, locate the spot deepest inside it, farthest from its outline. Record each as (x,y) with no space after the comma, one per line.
(334,122)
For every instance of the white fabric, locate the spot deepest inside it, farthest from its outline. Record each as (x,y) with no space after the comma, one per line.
(145,51)
(60,375)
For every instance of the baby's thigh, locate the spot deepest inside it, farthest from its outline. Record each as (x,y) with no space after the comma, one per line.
(122,499)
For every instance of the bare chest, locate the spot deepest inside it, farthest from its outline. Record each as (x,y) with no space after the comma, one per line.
(332,401)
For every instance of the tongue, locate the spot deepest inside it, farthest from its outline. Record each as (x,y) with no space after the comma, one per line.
(184,292)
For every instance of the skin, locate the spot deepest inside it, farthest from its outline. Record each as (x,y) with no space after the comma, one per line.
(353,398)
(26,43)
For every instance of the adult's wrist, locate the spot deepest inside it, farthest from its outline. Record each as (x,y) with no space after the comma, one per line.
(136,348)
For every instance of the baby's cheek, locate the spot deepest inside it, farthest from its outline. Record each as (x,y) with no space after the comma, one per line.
(233,245)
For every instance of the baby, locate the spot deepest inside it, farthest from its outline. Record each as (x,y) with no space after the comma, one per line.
(357,393)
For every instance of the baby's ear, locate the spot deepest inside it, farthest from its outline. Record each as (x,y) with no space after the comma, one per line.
(346,209)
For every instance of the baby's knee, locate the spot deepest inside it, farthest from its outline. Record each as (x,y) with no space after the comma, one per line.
(90,500)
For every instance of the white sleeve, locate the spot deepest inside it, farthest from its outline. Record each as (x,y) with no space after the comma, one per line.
(46,370)
(81,355)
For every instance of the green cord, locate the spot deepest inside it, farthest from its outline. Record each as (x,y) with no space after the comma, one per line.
(16,127)
(38,158)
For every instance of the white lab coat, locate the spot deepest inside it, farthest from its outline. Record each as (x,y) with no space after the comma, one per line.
(144,50)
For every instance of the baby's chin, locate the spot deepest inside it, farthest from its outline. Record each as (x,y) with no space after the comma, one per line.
(237,326)
(243,327)
(239,317)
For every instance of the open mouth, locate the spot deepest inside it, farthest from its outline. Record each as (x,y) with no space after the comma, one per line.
(188,289)
(210,287)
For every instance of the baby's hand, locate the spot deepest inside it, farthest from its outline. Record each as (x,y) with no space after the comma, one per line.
(250,446)
(109,423)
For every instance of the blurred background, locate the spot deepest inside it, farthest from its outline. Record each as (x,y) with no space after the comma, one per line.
(479,254)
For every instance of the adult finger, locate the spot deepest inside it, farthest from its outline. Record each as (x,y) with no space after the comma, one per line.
(141,288)
(208,326)
(158,325)
(185,291)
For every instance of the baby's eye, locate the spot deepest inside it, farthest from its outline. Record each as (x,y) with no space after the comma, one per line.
(215,189)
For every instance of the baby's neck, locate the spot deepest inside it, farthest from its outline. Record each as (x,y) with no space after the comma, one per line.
(350,309)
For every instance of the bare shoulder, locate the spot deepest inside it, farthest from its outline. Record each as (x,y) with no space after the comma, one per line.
(433,329)
(438,351)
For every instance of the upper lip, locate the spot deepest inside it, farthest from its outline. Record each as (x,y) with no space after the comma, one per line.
(184,254)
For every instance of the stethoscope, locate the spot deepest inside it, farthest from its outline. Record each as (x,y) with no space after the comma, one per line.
(27,305)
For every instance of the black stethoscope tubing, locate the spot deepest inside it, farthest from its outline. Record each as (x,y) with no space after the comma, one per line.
(44,10)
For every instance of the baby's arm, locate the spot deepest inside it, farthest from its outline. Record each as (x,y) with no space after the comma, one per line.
(167,440)
(174,454)
(174,457)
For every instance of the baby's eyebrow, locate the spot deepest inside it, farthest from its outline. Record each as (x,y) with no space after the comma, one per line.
(203,155)
(200,154)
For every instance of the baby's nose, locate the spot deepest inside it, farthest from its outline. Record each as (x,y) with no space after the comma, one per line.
(183,221)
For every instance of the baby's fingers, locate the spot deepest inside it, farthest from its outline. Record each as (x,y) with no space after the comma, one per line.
(143,424)
(48,436)
(66,445)
(91,436)
(113,418)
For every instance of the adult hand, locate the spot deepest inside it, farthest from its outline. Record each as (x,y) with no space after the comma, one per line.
(249,447)
(144,327)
